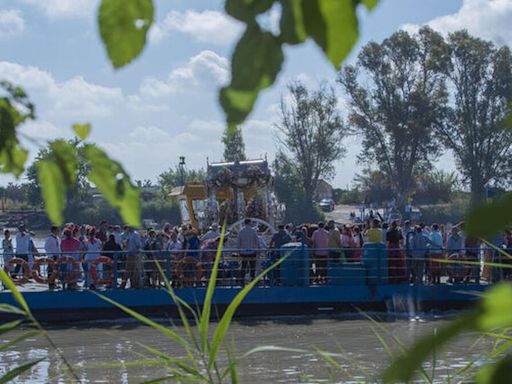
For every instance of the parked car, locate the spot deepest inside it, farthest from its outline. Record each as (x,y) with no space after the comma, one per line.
(326,205)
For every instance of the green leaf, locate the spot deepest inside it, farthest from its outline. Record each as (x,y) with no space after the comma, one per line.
(370,4)
(9,326)
(333,25)
(256,61)
(123,28)
(490,218)
(65,156)
(292,26)
(403,368)
(114,183)
(82,130)
(499,372)
(12,374)
(19,339)
(14,291)
(225,321)
(247,10)
(204,320)
(495,308)
(53,189)
(143,319)
(12,160)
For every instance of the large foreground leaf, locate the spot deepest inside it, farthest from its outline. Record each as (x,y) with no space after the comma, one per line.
(123,28)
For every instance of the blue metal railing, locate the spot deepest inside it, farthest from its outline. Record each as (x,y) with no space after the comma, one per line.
(304,266)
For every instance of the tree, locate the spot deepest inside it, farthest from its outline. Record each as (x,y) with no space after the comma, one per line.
(174,177)
(234,147)
(310,133)
(480,75)
(398,104)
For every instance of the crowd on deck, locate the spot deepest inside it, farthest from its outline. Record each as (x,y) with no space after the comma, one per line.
(416,254)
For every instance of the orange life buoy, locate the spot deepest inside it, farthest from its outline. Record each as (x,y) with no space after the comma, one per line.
(94,274)
(26,270)
(35,271)
(186,275)
(71,277)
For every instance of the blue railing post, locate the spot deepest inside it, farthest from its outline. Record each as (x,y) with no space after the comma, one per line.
(114,285)
(168,266)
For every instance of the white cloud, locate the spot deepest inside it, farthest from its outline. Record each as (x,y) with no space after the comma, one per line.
(75,98)
(206,70)
(206,27)
(11,23)
(65,8)
(488,19)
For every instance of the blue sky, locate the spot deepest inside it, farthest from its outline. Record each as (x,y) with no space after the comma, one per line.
(164,105)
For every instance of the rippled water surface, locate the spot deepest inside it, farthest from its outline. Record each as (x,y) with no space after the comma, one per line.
(90,344)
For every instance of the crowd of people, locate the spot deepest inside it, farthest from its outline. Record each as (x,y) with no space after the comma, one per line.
(415,253)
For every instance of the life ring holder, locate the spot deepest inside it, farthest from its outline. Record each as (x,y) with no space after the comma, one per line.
(192,278)
(35,271)
(94,274)
(24,266)
(70,278)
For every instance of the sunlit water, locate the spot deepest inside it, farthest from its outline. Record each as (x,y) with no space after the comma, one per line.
(91,344)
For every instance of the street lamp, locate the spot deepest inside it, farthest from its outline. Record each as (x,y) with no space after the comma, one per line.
(182,169)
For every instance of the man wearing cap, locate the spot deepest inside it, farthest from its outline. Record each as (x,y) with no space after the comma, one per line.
(212,233)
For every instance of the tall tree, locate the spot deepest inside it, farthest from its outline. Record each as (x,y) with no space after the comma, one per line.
(310,134)
(234,147)
(398,103)
(480,75)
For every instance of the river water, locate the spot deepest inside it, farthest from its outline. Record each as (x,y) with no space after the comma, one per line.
(91,344)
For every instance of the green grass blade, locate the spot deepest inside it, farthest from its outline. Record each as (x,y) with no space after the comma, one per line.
(167,332)
(204,320)
(7,308)
(12,374)
(385,345)
(14,291)
(165,379)
(18,340)
(9,326)
(179,304)
(224,323)
(171,360)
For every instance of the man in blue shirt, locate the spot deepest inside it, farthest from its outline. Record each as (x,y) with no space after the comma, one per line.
(419,245)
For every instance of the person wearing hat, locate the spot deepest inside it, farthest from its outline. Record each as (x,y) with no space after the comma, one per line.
(213,232)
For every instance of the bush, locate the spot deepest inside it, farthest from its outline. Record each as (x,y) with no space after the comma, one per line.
(452,212)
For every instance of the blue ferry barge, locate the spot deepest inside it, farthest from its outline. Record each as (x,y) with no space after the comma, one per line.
(350,286)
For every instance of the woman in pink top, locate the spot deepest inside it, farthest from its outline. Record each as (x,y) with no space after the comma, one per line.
(69,246)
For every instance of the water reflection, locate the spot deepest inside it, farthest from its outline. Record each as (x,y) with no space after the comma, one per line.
(95,344)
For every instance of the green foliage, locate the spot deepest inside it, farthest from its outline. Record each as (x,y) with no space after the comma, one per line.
(398,109)
(15,109)
(114,183)
(310,133)
(491,316)
(201,348)
(256,61)
(173,177)
(234,147)
(258,56)
(82,130)
(53,189)
(451,212)
(123,26)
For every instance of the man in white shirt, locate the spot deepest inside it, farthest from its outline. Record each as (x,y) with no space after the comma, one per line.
(22,245)
(248,246)
(52,249)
